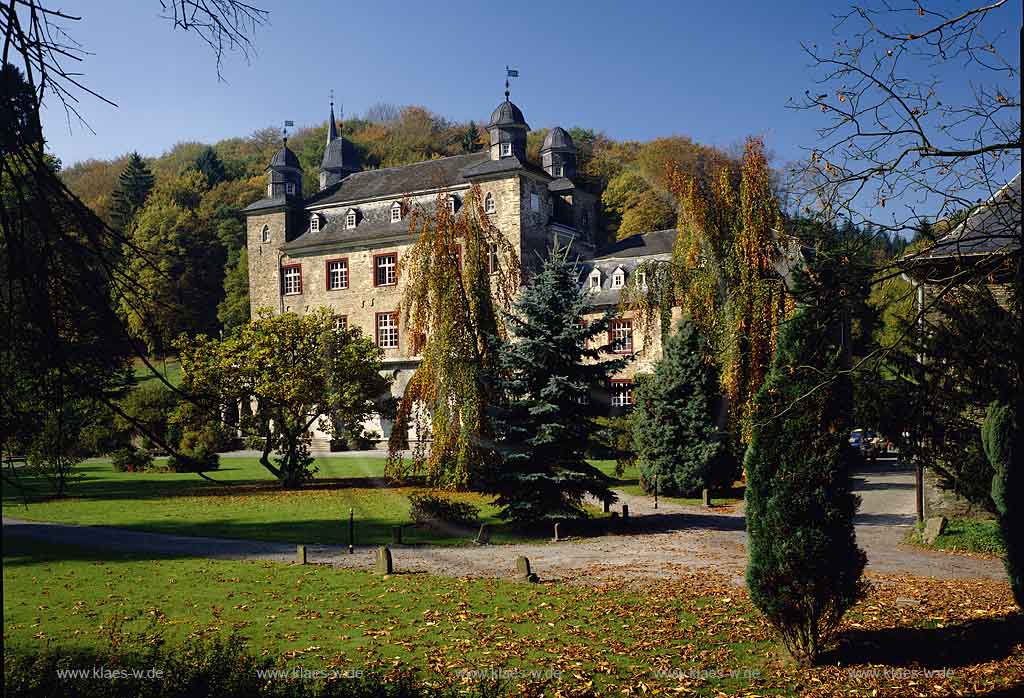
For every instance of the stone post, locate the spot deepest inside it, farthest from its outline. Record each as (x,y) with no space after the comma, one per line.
(384,564)
(351,530)
(300,555)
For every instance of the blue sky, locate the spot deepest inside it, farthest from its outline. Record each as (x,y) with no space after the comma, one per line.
(713,71)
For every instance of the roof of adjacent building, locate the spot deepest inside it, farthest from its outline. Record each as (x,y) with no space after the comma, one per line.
(507,114)
(398,181)
(640,245)
(272,202)
(373,226)
(627,254)
(993,227)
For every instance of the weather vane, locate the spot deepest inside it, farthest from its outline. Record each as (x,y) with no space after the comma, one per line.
(284,129)
(509,73)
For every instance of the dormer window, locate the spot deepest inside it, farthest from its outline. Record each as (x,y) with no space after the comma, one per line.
(265,234)
(451,205)
(506,149)
(489,203)
(289,188)
(314,223)
(618,278)
(350,219)
(594,280)
(396,212)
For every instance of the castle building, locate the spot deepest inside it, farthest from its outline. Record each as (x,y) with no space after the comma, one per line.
(340,247)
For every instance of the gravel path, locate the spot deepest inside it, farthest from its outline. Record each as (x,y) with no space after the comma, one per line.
(658,543)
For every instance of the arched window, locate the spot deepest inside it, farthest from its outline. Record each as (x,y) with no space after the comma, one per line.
(314,223)
(396,212)
(489,203)
(452,204)
(265,234)
(350,219)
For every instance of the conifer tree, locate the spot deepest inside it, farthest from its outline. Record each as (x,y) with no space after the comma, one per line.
(471,138)
(209,164)
(674,431)
(133,187)
(547,371)
(804,565)
(1001,437)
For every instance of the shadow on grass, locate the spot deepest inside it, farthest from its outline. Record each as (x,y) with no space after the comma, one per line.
(964,644)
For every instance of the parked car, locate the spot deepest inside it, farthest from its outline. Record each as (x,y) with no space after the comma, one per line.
(870,444)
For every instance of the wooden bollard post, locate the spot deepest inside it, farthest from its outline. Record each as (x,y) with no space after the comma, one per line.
(351,530)
(655,491)
(706,496)
(396,535)
(607,506)
(625,513)
(300,555)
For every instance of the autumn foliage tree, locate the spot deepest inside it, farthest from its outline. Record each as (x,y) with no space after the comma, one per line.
(723,272)
(460,275)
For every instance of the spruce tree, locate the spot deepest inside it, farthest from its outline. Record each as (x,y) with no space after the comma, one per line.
(547,371)
(471,138)
(1001,437)
(674,430)
(133,187)
(804,565)
(210,166)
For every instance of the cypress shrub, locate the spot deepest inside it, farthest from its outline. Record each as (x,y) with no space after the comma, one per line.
(804,569)
(1000,436)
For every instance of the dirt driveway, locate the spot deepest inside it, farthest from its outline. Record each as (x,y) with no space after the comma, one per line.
(657,544)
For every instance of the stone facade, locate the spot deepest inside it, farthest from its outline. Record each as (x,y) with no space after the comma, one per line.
(350,223)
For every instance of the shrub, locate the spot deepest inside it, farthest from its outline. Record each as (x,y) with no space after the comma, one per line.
(131,460)
(613,440)
(804,567)
(429,510)
(149,404)
(674,430)
(1002,446)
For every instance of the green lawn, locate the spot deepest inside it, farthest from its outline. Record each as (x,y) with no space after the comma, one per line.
(247,503)
(318,616)
(169,368)
(629,482)
(970,535)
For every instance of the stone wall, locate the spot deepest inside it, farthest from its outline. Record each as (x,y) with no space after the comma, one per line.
(940,502)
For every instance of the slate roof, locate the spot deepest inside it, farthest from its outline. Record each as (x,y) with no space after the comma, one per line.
(340,154)
(629,254)
(558,139)
(397,181)
(374,226)
(285,158)
(994,227)
(505,164)
(640,245)
(507,114)
(271,202)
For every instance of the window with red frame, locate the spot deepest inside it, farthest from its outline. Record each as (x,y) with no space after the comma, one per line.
(620,336)
(385,269)
(387,330)
(292,279)
(337,274)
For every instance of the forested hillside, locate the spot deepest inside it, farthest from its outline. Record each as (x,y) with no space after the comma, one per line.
(632,174)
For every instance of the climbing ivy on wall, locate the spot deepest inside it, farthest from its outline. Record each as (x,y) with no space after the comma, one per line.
(722,273)
(460,277)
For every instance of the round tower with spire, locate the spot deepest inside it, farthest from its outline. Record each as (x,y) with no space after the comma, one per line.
(508,129)
(285,174)
(558,154)
(340,158)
